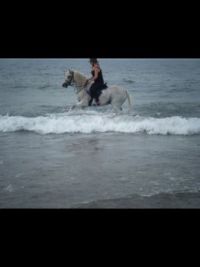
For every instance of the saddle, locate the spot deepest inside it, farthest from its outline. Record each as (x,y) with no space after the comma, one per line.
(100,89)
(97,93)
(104,87)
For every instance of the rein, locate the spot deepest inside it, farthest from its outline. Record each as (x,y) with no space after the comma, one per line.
(72,79)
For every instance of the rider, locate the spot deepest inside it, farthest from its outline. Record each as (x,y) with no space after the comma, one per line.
(97,77)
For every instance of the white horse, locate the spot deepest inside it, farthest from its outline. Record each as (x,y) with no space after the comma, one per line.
(114,95)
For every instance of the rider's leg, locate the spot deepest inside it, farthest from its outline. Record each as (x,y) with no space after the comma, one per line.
(90,102)
(93,93)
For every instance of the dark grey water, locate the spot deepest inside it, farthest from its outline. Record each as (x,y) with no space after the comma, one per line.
(52,157)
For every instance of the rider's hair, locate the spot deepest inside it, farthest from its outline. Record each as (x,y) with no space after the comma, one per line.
(93,61)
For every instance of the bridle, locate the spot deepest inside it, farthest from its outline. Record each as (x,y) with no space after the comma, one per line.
(71,79)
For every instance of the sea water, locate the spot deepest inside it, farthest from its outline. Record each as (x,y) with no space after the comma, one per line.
(55,157)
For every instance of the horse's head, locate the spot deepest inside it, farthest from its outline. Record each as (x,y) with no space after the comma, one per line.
(69,78)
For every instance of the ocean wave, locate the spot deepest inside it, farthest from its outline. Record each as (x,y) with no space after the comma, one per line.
(45,86)
(128,81)
(91,122)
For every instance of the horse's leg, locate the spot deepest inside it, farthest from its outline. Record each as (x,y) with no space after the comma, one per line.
(82,104)
(73,107)
(116,107)
(116,103)
(90,102)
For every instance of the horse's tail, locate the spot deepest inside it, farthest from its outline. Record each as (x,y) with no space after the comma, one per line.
(129,101)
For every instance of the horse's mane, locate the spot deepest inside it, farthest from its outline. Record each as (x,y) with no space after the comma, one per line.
(79,77)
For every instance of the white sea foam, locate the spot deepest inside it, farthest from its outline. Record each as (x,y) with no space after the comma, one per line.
(98,122)
(9,188)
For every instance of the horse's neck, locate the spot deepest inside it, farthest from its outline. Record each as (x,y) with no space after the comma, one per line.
(80,81)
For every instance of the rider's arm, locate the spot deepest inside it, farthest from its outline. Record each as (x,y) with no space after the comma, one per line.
(96,71)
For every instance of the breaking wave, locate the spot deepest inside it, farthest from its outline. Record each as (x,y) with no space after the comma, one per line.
(100,123)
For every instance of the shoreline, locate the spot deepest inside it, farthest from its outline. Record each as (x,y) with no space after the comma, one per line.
(158,201)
